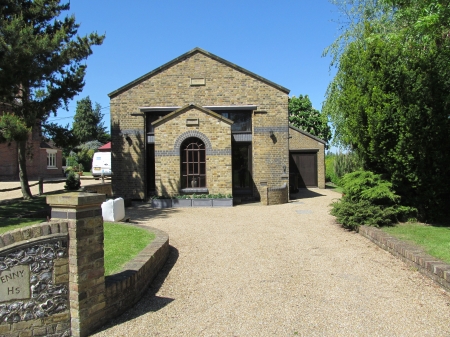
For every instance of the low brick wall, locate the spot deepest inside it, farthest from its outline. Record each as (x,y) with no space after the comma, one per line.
(126,288)
(99,188)
(123,289)
(28,319)
(412,255)
(275,195)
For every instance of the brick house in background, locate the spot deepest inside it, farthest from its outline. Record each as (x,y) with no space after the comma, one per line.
(45,159)
(201,124)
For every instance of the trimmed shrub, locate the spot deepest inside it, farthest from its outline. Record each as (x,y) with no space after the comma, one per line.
(369,200)
(72,182)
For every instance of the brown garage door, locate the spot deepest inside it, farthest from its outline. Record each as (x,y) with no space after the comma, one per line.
(303,166)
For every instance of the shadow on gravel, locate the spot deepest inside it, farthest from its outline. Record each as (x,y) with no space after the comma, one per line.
(150,302)
(145,212)
(304,193)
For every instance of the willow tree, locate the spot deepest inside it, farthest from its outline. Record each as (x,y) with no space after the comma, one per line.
(41,67)
(390,101)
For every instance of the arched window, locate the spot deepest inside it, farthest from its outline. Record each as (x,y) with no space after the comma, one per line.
(193,163)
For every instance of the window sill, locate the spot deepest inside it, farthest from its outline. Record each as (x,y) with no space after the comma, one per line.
(195,190)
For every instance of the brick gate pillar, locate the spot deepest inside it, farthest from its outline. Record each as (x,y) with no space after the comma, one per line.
(83,213)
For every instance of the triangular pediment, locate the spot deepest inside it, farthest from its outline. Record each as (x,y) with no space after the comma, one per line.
(188,55)
(187,108)
(307,134)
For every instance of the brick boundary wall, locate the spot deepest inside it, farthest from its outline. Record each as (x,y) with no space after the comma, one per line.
(412,255)
(126,288)
(123,289)
(275,195)
(56,324)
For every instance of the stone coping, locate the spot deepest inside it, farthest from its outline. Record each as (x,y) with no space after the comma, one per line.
(412,255)
(44,229)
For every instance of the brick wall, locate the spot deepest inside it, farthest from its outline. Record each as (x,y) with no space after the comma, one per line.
(36,164)
(67,258)
(225,84)
(215,133)
(301,140)
(56,324)
(127,287)
(275,195)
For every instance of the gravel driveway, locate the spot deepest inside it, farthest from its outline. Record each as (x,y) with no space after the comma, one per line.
(283,270)
(35,189)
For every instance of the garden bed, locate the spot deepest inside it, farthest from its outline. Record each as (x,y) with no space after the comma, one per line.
(195,201)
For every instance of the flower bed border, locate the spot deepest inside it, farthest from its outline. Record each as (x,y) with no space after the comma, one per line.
(194,202)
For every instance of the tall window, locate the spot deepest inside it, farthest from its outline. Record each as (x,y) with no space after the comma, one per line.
(193,163)
(51,158)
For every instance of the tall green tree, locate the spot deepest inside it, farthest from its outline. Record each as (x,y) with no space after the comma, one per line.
(87,123)
(390,98)
(303,116)
(41,67)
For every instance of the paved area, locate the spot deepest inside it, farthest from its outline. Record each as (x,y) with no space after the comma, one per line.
(283,270)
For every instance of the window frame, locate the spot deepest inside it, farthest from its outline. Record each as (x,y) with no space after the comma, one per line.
(193,165)
(51,158)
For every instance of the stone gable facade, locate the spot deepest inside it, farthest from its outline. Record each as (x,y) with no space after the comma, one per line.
(241,117)
(193,122)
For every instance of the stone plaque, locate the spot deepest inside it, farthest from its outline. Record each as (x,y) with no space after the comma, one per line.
(198,81)
(15,283)
(192,121)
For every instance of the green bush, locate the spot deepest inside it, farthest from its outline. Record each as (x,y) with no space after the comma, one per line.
(85,158)
(346,163)
(72,182)
(368,200)
(338,165)
(330,176)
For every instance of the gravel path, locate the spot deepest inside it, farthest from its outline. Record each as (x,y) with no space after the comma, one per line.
(283,270)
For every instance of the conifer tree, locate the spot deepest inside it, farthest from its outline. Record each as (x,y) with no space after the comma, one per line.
(41,66)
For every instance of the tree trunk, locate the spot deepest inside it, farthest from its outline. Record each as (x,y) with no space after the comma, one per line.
(21,150)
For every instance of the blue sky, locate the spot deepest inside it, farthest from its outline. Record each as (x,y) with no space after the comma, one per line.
(280,40)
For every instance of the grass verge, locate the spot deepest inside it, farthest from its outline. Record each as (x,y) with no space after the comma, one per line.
(434,240)
(123,243)
(333,187)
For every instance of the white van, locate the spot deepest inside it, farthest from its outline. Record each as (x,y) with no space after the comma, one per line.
(101,164)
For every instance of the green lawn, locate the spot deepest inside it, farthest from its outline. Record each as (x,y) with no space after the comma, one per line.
(13,223)
(20,207)
(434,240)
(122,243)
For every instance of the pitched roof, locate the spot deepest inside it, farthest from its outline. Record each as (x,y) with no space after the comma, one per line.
(187,107)
(106,147)
(307,134)
(189,54)
(48,145)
